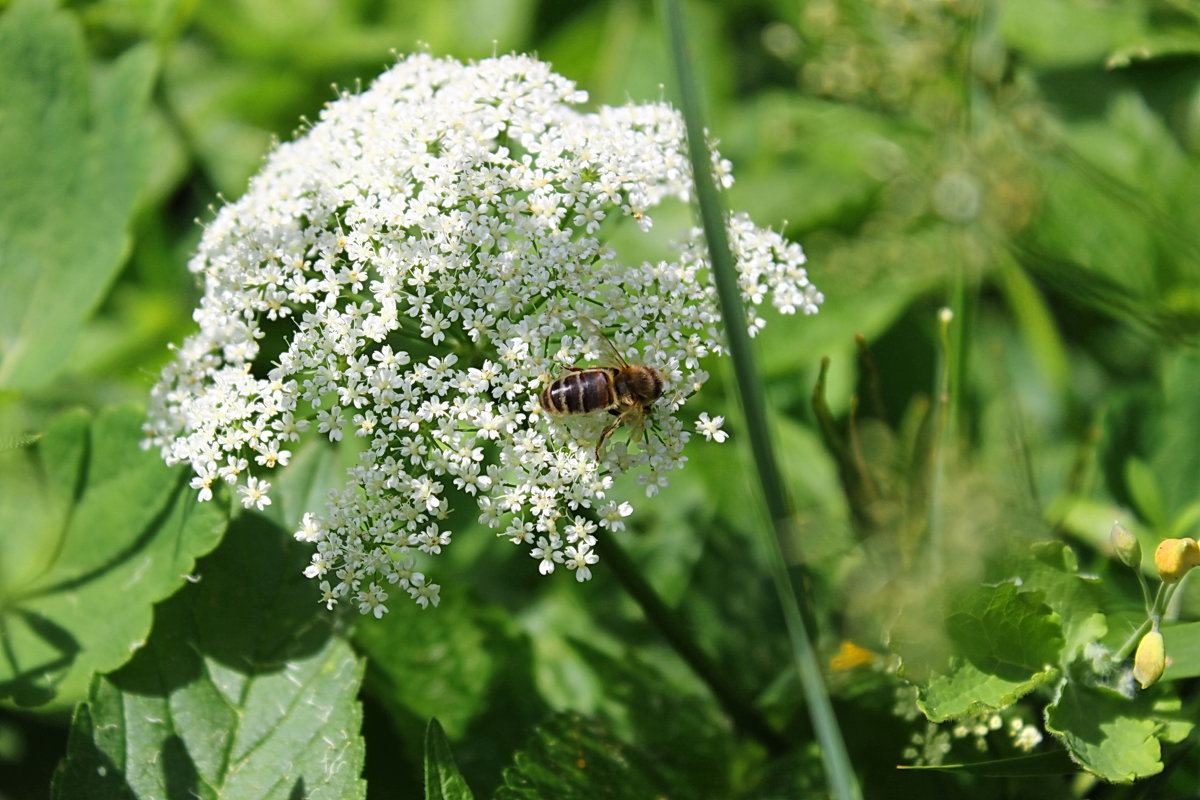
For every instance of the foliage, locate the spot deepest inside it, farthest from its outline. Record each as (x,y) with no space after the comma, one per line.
(1030,168)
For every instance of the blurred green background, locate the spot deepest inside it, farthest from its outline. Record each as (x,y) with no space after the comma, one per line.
(1030,164)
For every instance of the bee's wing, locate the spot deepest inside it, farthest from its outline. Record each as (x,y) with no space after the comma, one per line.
(594,328)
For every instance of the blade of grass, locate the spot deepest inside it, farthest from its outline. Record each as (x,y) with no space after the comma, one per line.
(839,773)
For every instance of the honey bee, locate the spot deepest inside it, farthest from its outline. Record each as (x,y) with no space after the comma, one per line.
(626,391)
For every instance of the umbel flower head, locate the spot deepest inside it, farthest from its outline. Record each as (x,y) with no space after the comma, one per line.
(427,251)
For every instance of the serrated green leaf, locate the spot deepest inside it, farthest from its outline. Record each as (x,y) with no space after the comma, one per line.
(241,691)
(578,758)
(1004,642)
(1052,570)
(74,154)
(1110,735)
(443,781)
(106,531)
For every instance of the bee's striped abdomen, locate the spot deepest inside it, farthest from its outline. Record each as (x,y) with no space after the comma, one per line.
(580,392)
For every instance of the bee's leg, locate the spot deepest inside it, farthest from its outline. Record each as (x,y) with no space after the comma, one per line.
(612,426)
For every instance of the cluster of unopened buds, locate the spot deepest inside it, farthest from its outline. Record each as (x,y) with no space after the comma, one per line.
(1173,559)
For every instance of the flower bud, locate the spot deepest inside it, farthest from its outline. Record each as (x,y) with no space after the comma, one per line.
(1125,545)
(1150,659)
(1174,557)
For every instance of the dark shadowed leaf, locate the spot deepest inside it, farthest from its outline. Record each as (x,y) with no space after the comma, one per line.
(572,757)
(242,691)
(443,781)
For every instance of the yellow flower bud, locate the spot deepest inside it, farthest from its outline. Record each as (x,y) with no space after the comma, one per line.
(1150,659)
(1125,545)
(1174,557)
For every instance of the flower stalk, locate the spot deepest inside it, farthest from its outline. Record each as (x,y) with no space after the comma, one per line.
(837,764)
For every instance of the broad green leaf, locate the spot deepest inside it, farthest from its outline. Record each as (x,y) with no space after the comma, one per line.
(1069,32)
(1143,489)
(105,531)
(1002,643)
(1036,324)
(1180,42)
(1076,599)
(1176,458)
(1182,643)
(241,691)
(1094,232)
(812,162)
(578,758)
(443,781)
(1110,735)
(73,153)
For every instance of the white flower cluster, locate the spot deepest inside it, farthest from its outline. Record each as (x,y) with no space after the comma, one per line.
(411,271)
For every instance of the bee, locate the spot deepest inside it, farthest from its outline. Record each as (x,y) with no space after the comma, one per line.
(627,391)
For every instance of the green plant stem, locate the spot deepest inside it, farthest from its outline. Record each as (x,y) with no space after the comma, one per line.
(744,715)
(1141,576)
(839,773)
(1153,615)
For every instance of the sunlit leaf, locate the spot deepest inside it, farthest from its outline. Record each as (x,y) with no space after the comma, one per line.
(74,155)
(106,531)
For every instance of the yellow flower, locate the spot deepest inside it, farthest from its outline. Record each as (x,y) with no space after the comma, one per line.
(1150,659)
(1174,557)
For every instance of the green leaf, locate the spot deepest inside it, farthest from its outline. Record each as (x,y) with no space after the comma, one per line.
(1180,42)
(74,153)
(1182,644)
(1002,643)
(1068,32)
(1176,459)
(432,663)
(1144,491)
(574,757)
(242,690)
(1111,735)
(1076,599)
(106,531)
(443,781)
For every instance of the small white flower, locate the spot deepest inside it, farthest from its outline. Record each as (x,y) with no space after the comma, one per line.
(372,601)
(205,475)
(711,428)
(433,243)
(254,493)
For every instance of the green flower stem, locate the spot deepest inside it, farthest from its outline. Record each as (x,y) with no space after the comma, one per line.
(1145,584)
(1153,614)
(842,781)
(744,715)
